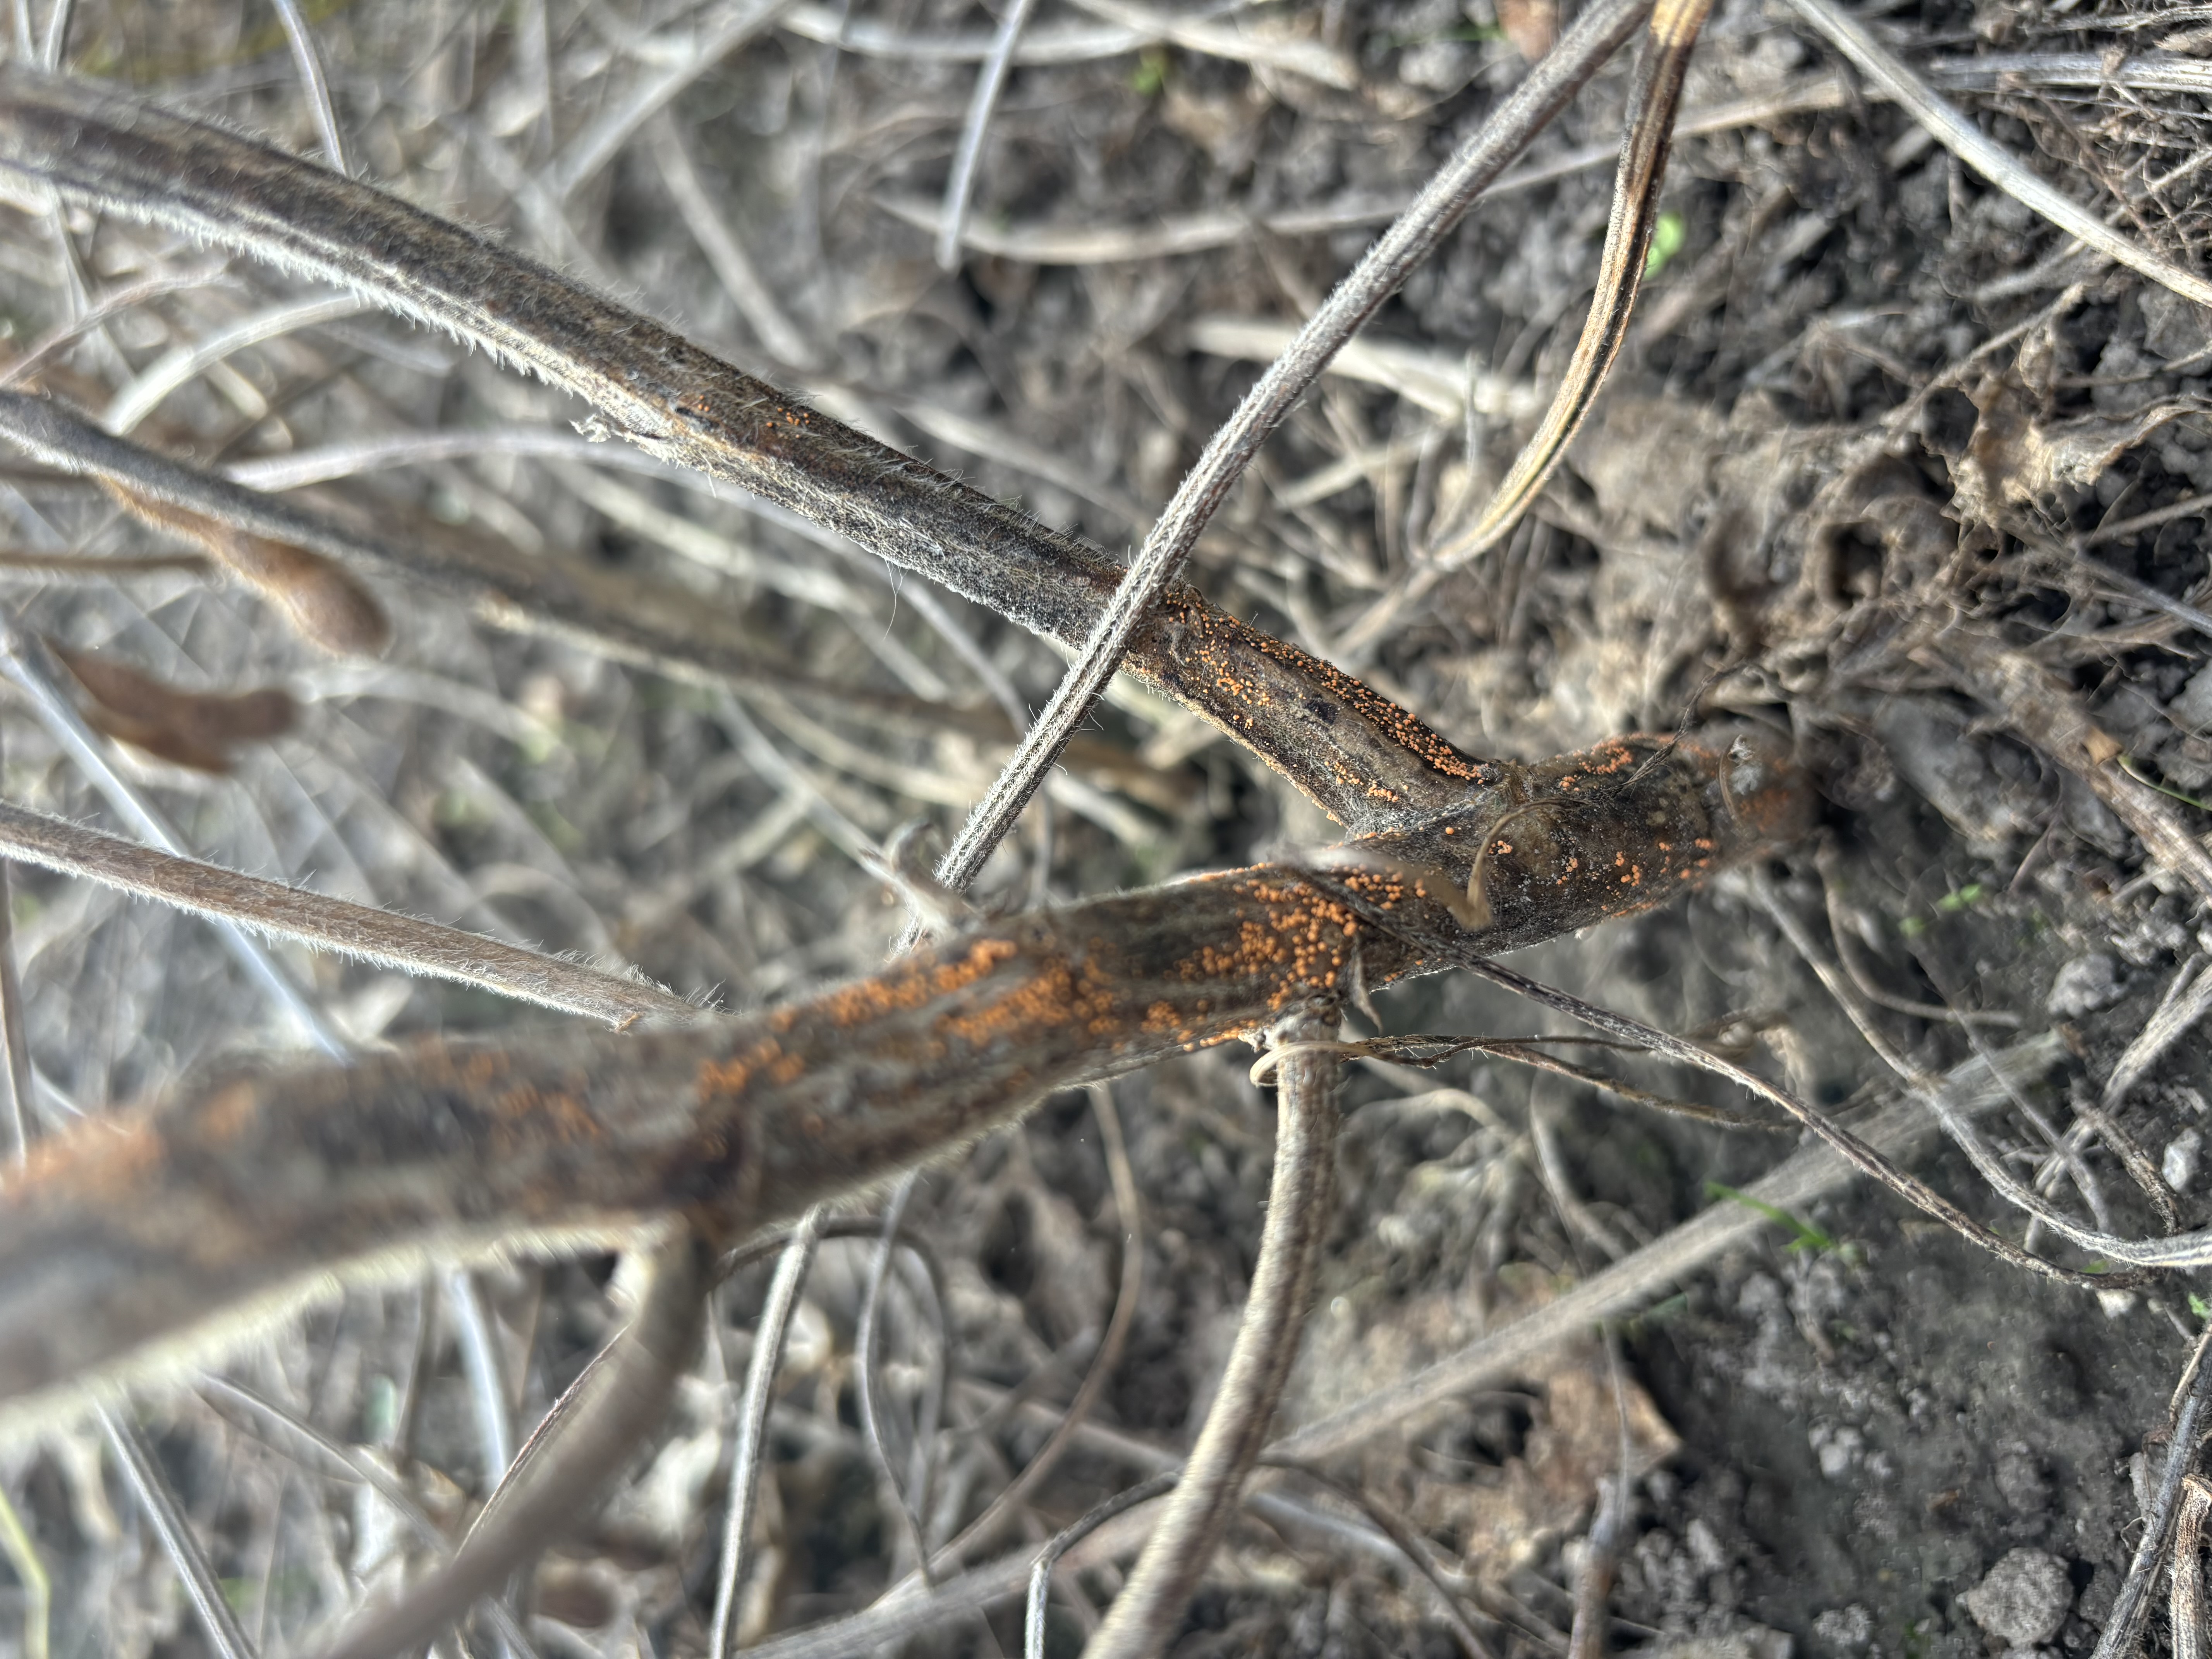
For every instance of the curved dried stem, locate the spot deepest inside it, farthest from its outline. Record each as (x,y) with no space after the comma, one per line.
(1057,1547)
(745,1452)
(1149,1608)
(1656,92)
(564,1466)
(359,931)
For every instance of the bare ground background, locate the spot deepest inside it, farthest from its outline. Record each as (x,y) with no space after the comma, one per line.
(1841,1426)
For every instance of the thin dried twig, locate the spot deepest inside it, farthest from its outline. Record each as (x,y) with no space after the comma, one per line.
(1498,1355)
(157,1502)
(908,1498)
(2054,719)
(752,1437)
(723,31)
(989,81)
(1868,1159)
(314,83)
(1057,1547)
(359,931)
(1150,1608)
(2123,1631)
(484,1367)
(28,663)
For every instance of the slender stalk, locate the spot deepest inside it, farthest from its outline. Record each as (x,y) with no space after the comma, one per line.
(747,1450)
(27,662)
(1148,1610)
(990,80)
(565,1463)
(158,1502)
(314,83)
(390,940)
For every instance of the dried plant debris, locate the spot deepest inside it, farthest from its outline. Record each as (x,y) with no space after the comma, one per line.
(323,604)
(1875,504)
(196,729)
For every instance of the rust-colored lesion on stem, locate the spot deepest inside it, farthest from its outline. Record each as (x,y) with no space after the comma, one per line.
(124,1245)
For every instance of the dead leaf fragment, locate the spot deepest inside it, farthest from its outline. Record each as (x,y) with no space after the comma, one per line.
(2017,459)
(1531,25)
(322,600)
(197,729)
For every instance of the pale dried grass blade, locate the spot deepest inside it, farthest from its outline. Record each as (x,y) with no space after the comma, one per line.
(1675,25)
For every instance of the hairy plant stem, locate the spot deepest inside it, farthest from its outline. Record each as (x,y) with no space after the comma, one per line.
(1360,757)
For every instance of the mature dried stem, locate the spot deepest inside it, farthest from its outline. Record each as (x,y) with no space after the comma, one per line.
(111,1241)
(1361,758)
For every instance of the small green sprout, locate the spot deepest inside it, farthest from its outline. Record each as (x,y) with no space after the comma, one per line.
(1808,1238)
(1668,232)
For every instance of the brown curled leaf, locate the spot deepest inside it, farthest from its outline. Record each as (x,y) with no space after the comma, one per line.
(197,729)
(322,600)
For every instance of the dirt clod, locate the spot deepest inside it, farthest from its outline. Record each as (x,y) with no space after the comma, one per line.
(2024,1599)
